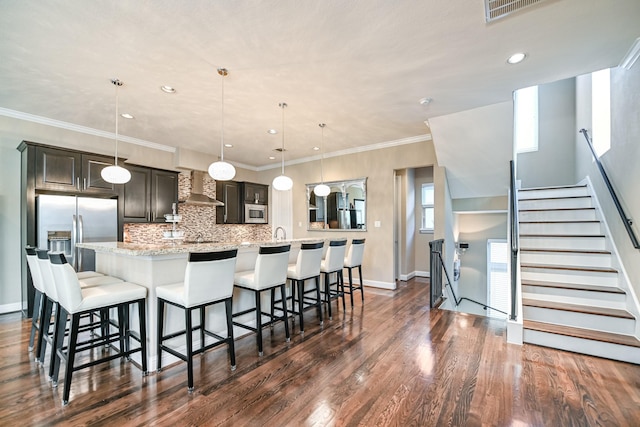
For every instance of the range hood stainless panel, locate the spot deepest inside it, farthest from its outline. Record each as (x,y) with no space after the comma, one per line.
(197,196)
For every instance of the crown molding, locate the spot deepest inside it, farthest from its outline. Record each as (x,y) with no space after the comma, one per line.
(83,129)
(372,147)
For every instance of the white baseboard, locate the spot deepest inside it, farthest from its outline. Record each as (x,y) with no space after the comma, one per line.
(417,273)
(10,308)
(381,285)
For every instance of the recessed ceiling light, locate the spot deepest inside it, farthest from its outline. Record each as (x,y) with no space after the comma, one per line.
(271,158)
(516,58)
(127,116)
(272,131)
(425,101)
(228,145)
(316,148)
(168,89)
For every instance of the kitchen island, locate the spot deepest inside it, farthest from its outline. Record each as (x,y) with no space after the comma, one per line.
(158,265)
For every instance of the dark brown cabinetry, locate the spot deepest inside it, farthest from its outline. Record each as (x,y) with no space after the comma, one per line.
(229,192)
(149,195)
(70,171)
(256,193)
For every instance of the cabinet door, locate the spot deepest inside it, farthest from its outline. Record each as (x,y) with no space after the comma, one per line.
(164,193)
(136,195)
(229,193)
(255,193)
(58,169)
(92,181)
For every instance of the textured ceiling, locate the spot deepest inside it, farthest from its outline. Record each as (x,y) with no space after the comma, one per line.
(359,66)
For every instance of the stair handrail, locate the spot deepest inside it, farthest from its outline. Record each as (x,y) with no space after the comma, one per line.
(625,220)
(515,240)
(455,299)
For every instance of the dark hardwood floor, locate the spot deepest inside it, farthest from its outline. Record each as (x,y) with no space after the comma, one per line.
(389,362)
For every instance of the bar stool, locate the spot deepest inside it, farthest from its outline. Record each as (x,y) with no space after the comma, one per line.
(270,272)
(51,301)
(353,260)
(208,280)
(332,263)
(75,301)
(39,300)
(307,267)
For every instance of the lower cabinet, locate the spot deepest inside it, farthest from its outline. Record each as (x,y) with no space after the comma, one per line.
(149,195)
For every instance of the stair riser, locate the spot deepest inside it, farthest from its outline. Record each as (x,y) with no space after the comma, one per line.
(583,202)
(572,228)
(622,353)
(568,276)
(555,215)
(553,192)
(548,293)
(559,258)
(582,243)
(580,320)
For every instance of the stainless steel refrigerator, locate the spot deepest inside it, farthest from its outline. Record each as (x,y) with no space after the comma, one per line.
(64,221)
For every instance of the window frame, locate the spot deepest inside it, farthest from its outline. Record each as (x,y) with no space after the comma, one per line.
(425,207)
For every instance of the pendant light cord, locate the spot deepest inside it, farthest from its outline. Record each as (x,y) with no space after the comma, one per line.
(322,125)
(283,105)
(223,73)
(117,84)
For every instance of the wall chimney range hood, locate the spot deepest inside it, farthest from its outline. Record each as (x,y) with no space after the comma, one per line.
(197,196)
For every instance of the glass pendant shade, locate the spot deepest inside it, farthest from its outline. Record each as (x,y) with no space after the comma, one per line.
(282,183)
(321,190)
(221,170)
(116,174)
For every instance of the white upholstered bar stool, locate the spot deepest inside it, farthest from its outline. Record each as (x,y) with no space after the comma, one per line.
(74,301)
(208,280)
(51,301)
(307,267)
(39,302)
(353,260)
(332,263)
(270,272)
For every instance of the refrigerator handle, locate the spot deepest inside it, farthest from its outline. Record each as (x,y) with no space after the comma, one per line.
(80,240)
(74,239)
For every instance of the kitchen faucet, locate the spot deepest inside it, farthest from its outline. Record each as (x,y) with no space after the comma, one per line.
(284,233)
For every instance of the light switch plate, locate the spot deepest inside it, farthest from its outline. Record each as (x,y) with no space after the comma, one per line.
(376,224)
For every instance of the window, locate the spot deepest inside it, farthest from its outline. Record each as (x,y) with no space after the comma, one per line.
(526,119)
(601,111)
(498,288)
(427,208)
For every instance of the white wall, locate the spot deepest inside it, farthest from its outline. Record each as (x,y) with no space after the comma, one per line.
(10,249)
(476,229)
(422,176)
(621,161)
(554,162)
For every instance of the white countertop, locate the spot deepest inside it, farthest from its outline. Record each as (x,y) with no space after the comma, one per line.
(137,249)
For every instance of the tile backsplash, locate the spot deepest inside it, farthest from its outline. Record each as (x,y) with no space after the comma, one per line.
(198,221)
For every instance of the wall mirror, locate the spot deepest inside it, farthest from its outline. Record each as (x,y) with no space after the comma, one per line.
(345,208)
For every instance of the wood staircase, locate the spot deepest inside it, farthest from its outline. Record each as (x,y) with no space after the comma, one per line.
(571,292)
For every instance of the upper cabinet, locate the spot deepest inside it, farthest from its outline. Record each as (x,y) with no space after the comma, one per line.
(229,193)
(63,170)
(257,194)
(149,194)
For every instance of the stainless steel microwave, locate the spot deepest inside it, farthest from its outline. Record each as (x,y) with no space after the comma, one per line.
(255,214)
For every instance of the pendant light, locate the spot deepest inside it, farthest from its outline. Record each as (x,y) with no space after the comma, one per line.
(116,174)
(282,182)
(221,170)
(321,190)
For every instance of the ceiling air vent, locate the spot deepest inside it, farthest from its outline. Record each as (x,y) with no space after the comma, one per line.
(496,9)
